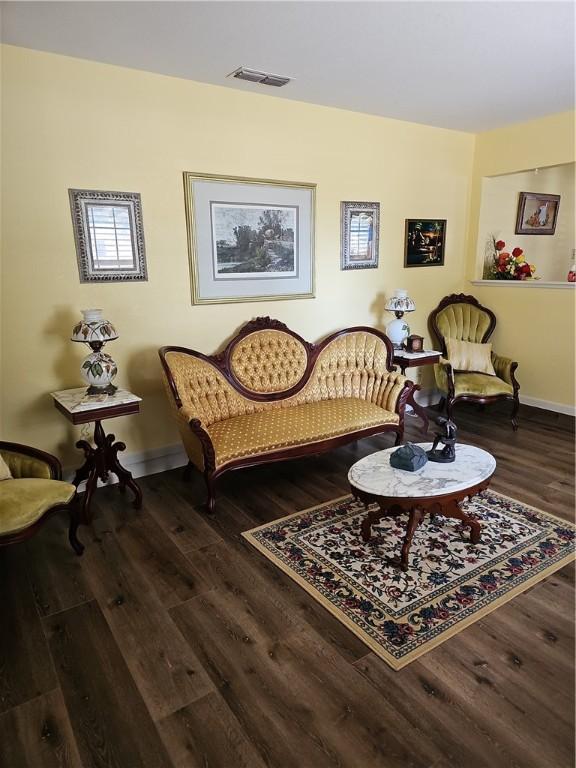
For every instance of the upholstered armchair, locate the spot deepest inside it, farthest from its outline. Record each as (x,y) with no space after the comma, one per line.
(460,318)
(34,491)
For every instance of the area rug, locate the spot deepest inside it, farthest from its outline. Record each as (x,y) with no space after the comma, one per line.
(450,584)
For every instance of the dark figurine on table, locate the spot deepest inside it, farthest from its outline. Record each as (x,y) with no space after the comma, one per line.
(446,454)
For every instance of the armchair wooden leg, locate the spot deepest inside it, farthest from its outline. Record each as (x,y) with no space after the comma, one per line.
(74,511)
(514,414)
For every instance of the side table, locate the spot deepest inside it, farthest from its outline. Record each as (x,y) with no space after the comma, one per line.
(80,408)
(406,360)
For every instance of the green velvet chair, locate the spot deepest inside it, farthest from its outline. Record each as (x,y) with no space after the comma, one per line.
(465,319)
(35,492)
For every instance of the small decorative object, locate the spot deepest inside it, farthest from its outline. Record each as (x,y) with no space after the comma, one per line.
(409,457)
(447,454)
(502,265)
(398,330)
(414,343)
(109,235)
(572,271)
(537,214)
(424,242)
(249,239)
(360,224)
(98,369)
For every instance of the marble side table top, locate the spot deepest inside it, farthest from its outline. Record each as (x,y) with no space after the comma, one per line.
(373,474)
(77,401)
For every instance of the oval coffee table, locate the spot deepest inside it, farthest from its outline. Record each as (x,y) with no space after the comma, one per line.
(433,489)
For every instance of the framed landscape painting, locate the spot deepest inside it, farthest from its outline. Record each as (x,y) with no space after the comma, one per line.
(537,214)
(424,243)
(360,225)
(249,239)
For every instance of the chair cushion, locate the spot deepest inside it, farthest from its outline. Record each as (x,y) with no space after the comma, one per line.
(266,431)
(480,384)
(469,356)
(24,501)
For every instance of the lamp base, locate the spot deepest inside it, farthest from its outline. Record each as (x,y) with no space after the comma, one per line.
(397,331)
(108,390)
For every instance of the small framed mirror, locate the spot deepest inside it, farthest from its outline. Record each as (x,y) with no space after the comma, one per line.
(109,235)
(359,235)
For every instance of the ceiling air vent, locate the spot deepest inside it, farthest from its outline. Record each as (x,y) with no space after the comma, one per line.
(264,78)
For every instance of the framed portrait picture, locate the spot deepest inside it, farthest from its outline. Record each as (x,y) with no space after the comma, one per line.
(359,225)
(537,214)
(249,239)
(424,242)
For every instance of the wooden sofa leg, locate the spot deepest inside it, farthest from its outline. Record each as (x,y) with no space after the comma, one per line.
(210,489)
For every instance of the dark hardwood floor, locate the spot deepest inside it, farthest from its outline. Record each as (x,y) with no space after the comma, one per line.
(172,643)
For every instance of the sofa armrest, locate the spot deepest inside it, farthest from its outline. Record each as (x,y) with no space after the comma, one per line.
(197,440)
(392,387)
(505,368)
(25,461)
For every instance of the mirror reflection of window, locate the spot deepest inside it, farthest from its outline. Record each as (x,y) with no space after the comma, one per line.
(110,234)
(361,235)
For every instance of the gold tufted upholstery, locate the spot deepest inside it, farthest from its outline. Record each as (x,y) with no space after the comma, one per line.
(232,409)
(268,361)
(21,465)
(266,431)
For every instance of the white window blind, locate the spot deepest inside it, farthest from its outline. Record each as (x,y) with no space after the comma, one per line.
(110,236)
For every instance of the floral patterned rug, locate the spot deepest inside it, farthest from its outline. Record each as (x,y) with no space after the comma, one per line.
(450,583)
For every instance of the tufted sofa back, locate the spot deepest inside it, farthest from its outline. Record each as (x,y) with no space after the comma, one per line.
(464,318)
(268,361)
(272,367)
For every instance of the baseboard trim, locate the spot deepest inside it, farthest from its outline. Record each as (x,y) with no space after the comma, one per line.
(548,405)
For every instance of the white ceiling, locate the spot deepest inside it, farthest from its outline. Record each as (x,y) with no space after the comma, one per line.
(468,65)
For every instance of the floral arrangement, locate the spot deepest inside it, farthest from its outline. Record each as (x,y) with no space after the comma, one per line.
(503,265)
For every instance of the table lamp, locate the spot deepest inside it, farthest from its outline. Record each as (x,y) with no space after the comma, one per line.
(98,369)
(398,330)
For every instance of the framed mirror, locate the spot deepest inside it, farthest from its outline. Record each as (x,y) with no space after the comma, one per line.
(109,235)
(360,224)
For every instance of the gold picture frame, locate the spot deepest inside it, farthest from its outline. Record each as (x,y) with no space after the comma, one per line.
(249,239)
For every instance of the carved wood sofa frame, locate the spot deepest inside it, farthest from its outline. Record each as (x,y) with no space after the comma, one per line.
(71,508)
(222,362)
(452,399)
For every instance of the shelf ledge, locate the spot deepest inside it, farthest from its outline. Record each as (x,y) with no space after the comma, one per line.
(524,284)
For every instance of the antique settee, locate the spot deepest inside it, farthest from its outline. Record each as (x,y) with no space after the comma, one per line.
(464,319)
(271,395)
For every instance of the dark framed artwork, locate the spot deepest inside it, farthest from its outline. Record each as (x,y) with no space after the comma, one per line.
(109,235)
(424,242)
(359,225)
(537,214)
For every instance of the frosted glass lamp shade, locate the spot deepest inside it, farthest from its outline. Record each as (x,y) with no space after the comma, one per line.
(400,302)
(93,328)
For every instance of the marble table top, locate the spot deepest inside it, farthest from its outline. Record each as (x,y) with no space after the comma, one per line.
(373,474)
(77,401)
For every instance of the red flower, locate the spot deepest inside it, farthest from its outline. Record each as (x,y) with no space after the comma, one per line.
(517,252)
(499,245)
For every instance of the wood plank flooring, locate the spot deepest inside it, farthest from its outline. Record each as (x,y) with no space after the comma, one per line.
(172,643)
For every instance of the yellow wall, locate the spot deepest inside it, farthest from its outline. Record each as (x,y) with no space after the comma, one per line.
(74,123)
(535,325)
